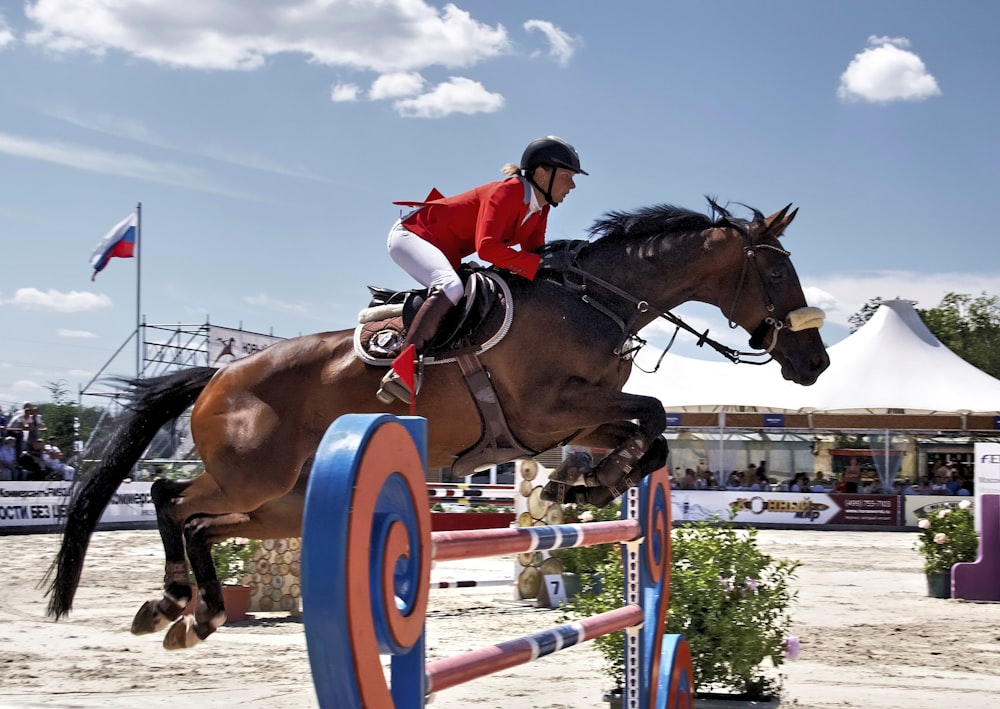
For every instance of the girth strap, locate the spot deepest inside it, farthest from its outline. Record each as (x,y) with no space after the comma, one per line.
(497,444)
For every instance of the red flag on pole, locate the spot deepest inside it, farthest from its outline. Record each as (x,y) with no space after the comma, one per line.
(405,365)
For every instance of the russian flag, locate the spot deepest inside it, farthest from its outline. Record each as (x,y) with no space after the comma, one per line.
(120,242)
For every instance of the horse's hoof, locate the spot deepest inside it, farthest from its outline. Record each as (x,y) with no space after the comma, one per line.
(150,619)
(181,635)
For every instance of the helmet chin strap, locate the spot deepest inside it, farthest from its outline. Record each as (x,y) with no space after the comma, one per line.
(547,193)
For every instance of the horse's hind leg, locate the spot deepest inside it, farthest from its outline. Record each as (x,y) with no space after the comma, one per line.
(155,615)
(200,533)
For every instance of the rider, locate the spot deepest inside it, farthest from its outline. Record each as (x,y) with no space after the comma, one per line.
(430,242)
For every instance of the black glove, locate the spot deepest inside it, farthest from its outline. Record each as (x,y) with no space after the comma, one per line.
(557,260)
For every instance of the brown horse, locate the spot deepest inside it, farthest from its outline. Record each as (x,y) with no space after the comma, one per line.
(558,375)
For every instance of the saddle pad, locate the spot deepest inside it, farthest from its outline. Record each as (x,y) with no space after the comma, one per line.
(377,342)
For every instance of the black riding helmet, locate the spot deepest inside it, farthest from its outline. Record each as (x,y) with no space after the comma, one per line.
(552,152)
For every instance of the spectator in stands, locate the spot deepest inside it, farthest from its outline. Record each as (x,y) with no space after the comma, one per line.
(800,483)
(28,428)
(852,476)
(761,483)
(60,470)
(689,481)
(820,483)
(954,483)
(941,472)
(8,460)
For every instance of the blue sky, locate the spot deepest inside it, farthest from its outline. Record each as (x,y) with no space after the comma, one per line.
(266,141)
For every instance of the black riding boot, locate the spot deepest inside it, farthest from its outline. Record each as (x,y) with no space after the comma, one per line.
(425,325)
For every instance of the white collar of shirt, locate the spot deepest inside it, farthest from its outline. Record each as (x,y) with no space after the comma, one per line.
(533,206)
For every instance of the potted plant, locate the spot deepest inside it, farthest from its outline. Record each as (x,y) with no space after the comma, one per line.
(232,559)
(947,537)
(728,599)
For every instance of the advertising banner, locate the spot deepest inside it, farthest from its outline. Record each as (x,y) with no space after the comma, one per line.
(787,508)
(43,505)
(987,456)
(226,345)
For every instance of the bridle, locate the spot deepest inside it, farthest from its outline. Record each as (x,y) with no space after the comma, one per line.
(769,323)
(761,354)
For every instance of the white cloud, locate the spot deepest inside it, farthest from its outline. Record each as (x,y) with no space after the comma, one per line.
(57,301)
(120,164)
(843,295)
(344,93)
(76,334)
(7,38)
(387,36)
(885,72)
(561,45)
(457,95)
(127,128)
(396,85)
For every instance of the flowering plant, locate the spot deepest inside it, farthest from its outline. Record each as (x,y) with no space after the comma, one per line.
(232,557)
(577,560)
(728,598)
(948,537)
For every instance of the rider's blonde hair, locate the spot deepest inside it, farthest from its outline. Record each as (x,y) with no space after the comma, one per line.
(510,169)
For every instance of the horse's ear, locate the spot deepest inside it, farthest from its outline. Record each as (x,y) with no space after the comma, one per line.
(779,221)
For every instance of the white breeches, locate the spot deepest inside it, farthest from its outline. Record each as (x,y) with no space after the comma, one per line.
(424,262)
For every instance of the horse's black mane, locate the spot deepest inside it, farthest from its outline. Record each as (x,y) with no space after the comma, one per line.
(657,220)
(660,219)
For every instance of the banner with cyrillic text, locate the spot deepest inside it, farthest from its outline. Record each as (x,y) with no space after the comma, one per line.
(44,504)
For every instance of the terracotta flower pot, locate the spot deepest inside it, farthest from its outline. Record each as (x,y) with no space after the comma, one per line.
(237,599)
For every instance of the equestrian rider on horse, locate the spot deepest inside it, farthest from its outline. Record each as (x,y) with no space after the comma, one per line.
(430,242)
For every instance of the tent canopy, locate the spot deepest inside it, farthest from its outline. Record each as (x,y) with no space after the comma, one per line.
(892,364)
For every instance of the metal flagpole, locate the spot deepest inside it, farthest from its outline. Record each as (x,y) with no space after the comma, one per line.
(138,290)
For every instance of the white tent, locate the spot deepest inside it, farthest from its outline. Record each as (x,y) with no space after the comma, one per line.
(892,364)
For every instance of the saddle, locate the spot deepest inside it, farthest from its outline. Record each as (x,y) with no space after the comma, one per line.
(481,320)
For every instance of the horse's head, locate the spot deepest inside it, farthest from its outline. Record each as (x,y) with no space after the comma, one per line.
(767,299)
(644,263)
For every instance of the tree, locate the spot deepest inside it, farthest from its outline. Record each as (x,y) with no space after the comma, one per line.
(968,326)
(865,314)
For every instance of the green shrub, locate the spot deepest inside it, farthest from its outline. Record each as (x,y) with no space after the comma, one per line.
(728,599)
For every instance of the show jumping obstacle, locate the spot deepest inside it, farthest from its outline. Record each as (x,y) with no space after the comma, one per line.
(979,580)
(367,548)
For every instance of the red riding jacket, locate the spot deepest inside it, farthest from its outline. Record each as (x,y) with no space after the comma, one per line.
(487,220)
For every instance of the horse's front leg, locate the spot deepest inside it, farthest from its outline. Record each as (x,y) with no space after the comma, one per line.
(631,426)
(601,496)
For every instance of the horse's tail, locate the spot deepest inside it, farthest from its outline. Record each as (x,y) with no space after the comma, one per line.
(153,402)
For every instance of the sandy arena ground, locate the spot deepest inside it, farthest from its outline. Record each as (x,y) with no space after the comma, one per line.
(870,636)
